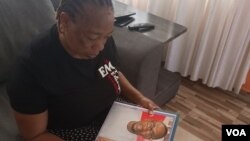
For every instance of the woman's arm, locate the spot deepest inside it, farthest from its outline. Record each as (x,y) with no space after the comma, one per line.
(134,95)
(33,127)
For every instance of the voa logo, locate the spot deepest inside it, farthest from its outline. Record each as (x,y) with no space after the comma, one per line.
(236,132)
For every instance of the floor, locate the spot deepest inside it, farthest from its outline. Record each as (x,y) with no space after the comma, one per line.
(203,110)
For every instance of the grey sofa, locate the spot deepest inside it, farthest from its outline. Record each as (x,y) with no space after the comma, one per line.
(21,20)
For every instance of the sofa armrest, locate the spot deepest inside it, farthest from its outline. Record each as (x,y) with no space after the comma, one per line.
(140,59)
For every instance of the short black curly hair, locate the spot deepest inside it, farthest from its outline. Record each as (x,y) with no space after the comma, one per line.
(75,7)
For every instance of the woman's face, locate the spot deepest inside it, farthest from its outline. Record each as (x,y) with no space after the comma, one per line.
(85,37)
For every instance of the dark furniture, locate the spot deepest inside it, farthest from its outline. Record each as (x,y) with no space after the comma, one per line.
(165,30)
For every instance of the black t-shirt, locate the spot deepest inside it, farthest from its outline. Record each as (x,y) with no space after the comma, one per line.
(74,91)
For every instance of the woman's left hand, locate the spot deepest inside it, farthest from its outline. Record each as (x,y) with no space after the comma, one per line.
(148,104)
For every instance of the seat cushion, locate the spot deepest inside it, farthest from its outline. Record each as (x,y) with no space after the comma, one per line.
(20,21)
(167,86)
(8,130)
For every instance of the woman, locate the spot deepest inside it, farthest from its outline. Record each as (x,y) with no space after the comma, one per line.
(68,78)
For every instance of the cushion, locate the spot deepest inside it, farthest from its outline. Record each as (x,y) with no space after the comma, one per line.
(20,21)
(8,127)
(167,87)
(56,3)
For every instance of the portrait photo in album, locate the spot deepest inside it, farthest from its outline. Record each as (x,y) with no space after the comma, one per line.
(126,122)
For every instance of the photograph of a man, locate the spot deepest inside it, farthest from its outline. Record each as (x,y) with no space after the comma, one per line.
(148,129)
(130,123)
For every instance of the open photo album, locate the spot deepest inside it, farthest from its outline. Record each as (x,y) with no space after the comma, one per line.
(126,122)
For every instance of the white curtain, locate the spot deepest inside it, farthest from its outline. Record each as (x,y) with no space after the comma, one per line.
(139,4)
(216,47)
